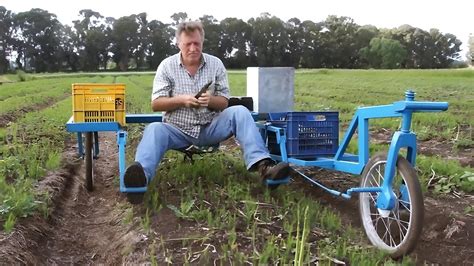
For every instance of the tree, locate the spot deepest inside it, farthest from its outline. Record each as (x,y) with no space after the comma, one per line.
(293,54)
(93,39)
(179,17)
(126,41)
(427,49)
(311,44)
(470,53)
(6,27)
(384,53)
(69,55)
(160,43)
(269,40)
(446,48)
(339,46)
(234,41)
(364,35)
(212,36)
(143,41)
(37,39)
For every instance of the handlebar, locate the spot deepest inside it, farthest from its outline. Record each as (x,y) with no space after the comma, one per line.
(420,106)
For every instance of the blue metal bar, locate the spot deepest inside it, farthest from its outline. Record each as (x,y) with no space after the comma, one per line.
(417,106)
(364,189)
(331,191)
(80,145)
(387,198)
(143,118)
(363,138)
(281,139)
(327,163)
(350,157)
(347,138)
(355,168)
(407,114)
(381,111)
(92,126)
(96,145)
(271,182)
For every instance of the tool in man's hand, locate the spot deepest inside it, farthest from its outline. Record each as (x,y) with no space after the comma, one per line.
(203,89)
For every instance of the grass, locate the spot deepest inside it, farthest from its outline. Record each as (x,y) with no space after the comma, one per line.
(245,223)
(26,95)
(219,203)
(32,145)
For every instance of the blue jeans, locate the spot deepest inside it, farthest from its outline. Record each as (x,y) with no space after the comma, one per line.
(236,120)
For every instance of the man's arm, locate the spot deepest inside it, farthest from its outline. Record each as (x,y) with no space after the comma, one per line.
(217,103)
(164,103)
(214,102)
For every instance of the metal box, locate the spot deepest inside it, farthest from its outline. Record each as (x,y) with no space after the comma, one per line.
(272,88)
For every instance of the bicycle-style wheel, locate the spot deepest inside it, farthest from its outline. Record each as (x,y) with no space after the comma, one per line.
(89,162)
(395,231)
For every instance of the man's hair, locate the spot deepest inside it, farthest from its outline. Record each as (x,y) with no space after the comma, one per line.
(189,27)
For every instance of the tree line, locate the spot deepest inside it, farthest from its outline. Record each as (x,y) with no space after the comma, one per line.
(38,42)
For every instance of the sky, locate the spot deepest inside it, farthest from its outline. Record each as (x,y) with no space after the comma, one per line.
(455,17)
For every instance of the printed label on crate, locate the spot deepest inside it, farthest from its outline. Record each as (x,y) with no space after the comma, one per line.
(99,99)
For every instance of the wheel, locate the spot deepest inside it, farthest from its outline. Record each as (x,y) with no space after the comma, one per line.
(89,162)
(395,231)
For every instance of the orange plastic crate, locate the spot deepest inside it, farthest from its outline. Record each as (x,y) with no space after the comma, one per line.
(98,102)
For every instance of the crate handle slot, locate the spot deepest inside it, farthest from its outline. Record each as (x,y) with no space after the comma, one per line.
(319,118)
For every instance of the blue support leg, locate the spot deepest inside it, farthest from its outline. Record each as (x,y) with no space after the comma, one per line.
(96,145)
(80,146)
(387,198)
(122,141)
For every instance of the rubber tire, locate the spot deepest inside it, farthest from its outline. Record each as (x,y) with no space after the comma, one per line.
(89,162)
(415,218)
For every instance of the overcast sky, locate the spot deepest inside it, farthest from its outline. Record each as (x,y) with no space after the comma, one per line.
(456,17)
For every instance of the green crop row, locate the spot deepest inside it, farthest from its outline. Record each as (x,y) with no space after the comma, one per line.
(30,147)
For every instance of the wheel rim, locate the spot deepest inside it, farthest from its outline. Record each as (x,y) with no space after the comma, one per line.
(387,230)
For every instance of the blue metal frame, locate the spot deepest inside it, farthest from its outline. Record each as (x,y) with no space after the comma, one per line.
(341,161)
(96,127)
(355,164)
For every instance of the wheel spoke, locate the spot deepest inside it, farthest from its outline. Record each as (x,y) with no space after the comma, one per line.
(405,205)
(372,197)
(404,217)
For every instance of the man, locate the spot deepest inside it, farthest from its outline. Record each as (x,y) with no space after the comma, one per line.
(201,121)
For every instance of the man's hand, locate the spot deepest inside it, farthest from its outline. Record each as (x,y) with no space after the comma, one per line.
(189,101)
(204,99)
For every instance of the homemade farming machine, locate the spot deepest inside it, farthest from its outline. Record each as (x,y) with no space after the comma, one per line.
(390,197)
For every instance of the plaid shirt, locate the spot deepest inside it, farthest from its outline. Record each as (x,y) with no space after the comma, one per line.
(173,79)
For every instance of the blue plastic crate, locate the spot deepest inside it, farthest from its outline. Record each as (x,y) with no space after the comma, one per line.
(308,134)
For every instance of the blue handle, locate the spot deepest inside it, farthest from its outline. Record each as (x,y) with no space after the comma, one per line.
(421,106)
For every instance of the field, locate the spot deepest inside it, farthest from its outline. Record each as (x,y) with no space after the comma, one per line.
(212,210)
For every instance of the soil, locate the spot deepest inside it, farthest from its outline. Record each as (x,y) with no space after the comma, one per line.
(91,227)
(433,147)
(83,227)
(12,116)
(448,232)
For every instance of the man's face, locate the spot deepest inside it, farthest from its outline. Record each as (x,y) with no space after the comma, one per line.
(190,45)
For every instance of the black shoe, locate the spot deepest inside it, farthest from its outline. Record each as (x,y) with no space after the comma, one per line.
(268,169)
(135,177)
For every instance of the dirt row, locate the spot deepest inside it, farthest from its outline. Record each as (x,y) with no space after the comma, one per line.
(12,116)
(90,227)
(448,231)
(83,227)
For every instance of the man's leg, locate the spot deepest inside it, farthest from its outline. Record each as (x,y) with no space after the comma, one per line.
(237,121)
(157,139)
